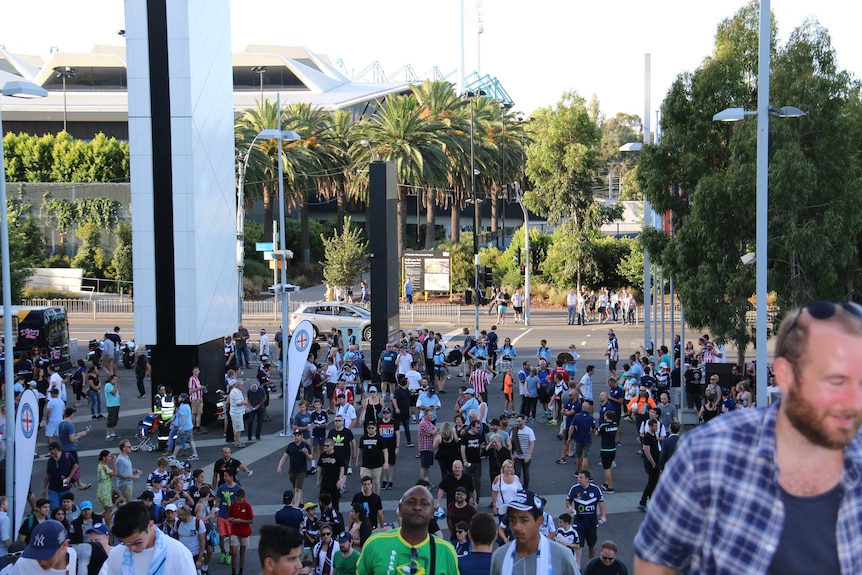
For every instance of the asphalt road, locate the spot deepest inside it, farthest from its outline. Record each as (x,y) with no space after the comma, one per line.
(264,488)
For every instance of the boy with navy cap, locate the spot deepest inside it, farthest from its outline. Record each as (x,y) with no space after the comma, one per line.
(48,551)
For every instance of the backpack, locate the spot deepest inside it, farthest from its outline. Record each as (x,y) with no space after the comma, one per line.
(366,373)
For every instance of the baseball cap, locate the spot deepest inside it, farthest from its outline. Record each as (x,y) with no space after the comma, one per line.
(262,330)
(663,365)
(525,500)
(99,528)
(55,391)
(461,488)
(69,411)
(372,388)
(287,497)
(470,390)
(170,507)
(184,396)
(147,495)
(309,505)
(45,539)
(86,505)
(297,432)
(386,410)
(345,536)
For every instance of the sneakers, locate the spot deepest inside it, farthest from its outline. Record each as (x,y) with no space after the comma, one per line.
(222,558)
(561,461)
(349,471)
(194,457)
(609,490)
(553,422)
(228,559)
(642,507)
(141,396)
(414,419)
(313,470)
(410,445)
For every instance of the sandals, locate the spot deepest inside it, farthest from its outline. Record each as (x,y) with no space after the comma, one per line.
(87,486)
(238,445)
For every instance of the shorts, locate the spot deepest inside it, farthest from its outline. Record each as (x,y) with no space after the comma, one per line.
(184,438)
(612,364)
(589,535)
(413,399)
(51,429)
(676,396)
(113,416)
(197,406)
(318,436)
(374,472)
(519,309)
(502,309)
(608,458)
(296,479)
(392,457)
(582,449)
(426,459)
(237,423)
(239,541)
(387,377)
(224,527)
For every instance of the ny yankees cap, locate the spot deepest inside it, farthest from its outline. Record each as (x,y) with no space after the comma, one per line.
(46,539)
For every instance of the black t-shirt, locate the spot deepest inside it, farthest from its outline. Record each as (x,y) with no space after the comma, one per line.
(221,465)
(342,440)
(388,430)
(372,449)
(371,503)
(608,433)
(58,471)
(450,483)
(472,447)
(329,467)
(596,567)
(401,396)
(651,441)
(297,461)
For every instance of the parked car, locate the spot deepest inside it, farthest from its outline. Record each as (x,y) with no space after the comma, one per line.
(324,315)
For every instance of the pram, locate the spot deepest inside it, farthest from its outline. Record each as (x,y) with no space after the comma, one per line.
(152,432)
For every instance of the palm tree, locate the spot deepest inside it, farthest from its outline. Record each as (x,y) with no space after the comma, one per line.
(443,105)
(309,162)
(399,133)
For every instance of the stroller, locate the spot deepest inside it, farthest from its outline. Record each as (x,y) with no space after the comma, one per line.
(152,433)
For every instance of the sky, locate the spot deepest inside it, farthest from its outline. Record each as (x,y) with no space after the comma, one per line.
(537,49)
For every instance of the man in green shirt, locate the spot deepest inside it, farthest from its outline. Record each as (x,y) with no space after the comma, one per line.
(344,563)
(410,548)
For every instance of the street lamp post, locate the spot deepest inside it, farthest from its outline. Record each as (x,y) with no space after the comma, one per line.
(64,72)
(471,96)
(268,134)
(260,71)
(16,90)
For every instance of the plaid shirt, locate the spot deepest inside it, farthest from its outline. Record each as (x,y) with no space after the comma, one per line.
(427,430)
(718,509)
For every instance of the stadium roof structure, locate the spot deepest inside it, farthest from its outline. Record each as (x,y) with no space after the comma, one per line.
(97,93)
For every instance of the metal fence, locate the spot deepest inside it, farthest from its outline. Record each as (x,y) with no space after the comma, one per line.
(431,312)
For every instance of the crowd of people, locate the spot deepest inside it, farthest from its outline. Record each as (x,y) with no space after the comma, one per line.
(346,426)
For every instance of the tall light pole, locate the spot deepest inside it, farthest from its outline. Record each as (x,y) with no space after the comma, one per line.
(260,71)
(268,134)
(64,72)
(504,107)
(15,90)
(471,96)
(764,111)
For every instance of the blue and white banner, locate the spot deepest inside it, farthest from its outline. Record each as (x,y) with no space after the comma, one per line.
(26,432)
(297,355)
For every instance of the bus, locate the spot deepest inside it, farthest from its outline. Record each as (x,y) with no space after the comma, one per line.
(45,328)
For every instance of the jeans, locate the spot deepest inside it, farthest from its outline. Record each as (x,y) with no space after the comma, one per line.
(172,437)
(581,320)
(572,312)
(242,355)
(475,471)
(614,313)
(522,470)
(405,424)
(95,403)
(255,422)
(653,475)
(139,379)
(54,497)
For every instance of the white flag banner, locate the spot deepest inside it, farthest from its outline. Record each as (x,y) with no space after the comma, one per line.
(26,432)
(297,355)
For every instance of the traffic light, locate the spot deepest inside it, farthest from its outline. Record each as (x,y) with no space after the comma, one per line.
(523,269)
(518,256)
(488,277)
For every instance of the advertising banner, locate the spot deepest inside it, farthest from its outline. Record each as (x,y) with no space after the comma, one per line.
(26,431)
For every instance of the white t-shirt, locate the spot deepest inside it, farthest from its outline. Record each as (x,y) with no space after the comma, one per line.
(237,398)
(404,361)
(264,345)
(348,413)
(413,379)
(57,382)
(177,560)
(31,566)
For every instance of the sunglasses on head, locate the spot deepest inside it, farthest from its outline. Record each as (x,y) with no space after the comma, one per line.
(824,309)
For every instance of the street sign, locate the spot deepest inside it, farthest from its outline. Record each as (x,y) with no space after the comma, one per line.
(267,256)
(264,246)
